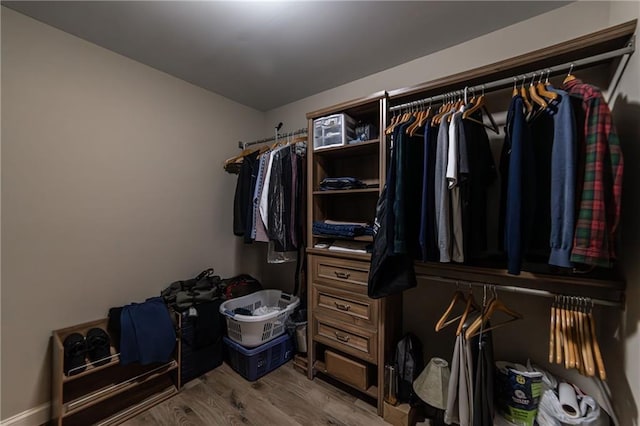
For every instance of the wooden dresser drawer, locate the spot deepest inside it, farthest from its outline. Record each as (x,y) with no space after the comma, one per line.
(345,306)
(350,275)
(347,370)
(356,341)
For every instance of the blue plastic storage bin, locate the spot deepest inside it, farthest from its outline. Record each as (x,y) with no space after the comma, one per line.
(256,362)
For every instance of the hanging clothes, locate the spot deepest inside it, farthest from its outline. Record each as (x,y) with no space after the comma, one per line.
(541,129)
(563,180)
(389,273)
(460,395)
(428,243)
(402,201)
(452,174)
(442,195)
(258,232)
(483,399)
(599,186)
(242,194)
(475,184)
(518,189)
(270,192)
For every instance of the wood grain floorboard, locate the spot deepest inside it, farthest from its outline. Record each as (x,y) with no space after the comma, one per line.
(283,397)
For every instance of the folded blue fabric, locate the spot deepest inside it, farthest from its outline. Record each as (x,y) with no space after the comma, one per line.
(321,228)
(147,333)
(341,183)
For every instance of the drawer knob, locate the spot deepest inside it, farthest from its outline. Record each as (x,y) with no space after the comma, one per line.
(342,306)
(342,337)
(343,275)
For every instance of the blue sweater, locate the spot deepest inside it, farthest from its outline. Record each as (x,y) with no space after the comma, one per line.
(563,182)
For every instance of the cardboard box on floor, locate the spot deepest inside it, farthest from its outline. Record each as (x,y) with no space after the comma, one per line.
(400,415)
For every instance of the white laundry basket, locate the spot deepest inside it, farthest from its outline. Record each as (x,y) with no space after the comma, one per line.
(251,331)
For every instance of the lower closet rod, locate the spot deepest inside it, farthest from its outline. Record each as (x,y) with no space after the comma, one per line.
(506,82)
(519,290)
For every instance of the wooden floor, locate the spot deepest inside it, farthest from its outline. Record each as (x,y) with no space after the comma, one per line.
(282,397)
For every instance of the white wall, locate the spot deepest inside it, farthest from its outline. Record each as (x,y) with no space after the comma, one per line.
(528,338)
(112,185)
(95,228)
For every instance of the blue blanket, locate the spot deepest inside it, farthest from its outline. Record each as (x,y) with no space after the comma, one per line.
(147,334)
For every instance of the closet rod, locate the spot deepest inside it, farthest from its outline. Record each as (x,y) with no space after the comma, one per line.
(243,145)
(509,81)
(519,290)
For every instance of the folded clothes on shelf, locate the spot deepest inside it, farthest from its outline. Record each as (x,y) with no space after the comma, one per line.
(347,230)
(337,183)
(350,246)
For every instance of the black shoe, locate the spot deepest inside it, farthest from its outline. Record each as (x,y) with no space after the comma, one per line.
(75,350)
(98,346)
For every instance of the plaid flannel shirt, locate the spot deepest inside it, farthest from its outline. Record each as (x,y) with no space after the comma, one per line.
(599,180)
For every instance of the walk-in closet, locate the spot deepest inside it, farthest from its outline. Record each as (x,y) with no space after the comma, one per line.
(323,212)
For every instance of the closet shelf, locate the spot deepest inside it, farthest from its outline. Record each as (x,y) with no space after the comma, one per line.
(363,238)
(605,289)
(612,38)
(104,394)
(139,408)
(115,360)
(358,148)
(340,254)
(348,191)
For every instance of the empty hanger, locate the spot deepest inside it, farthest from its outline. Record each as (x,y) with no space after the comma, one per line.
(495,305)
(422,120)
(470,307)
(480,104)
(552,331)
(444,321)
(596,347)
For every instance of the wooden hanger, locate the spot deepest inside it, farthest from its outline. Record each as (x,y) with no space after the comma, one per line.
(392,123)
(445,108)
(596,347)
(569,76)
(525,97)
(413,128)
(422,121)
(240,156)
(469,308)
(480,104)
(444,321)
(494,306)
(552,331)
(514,92)
(579,339)
(565,333)
(535,96)
(559,336)
(542,88)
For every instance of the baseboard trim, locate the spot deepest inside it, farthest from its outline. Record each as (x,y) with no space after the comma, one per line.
(32,417)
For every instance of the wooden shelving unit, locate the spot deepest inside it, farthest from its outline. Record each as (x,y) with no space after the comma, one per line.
(342,319)
(111,393)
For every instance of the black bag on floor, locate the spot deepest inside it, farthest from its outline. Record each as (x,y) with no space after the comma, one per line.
(409,364)
(205,287)
(240,285)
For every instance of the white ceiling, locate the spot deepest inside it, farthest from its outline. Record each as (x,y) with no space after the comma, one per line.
(266,54)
